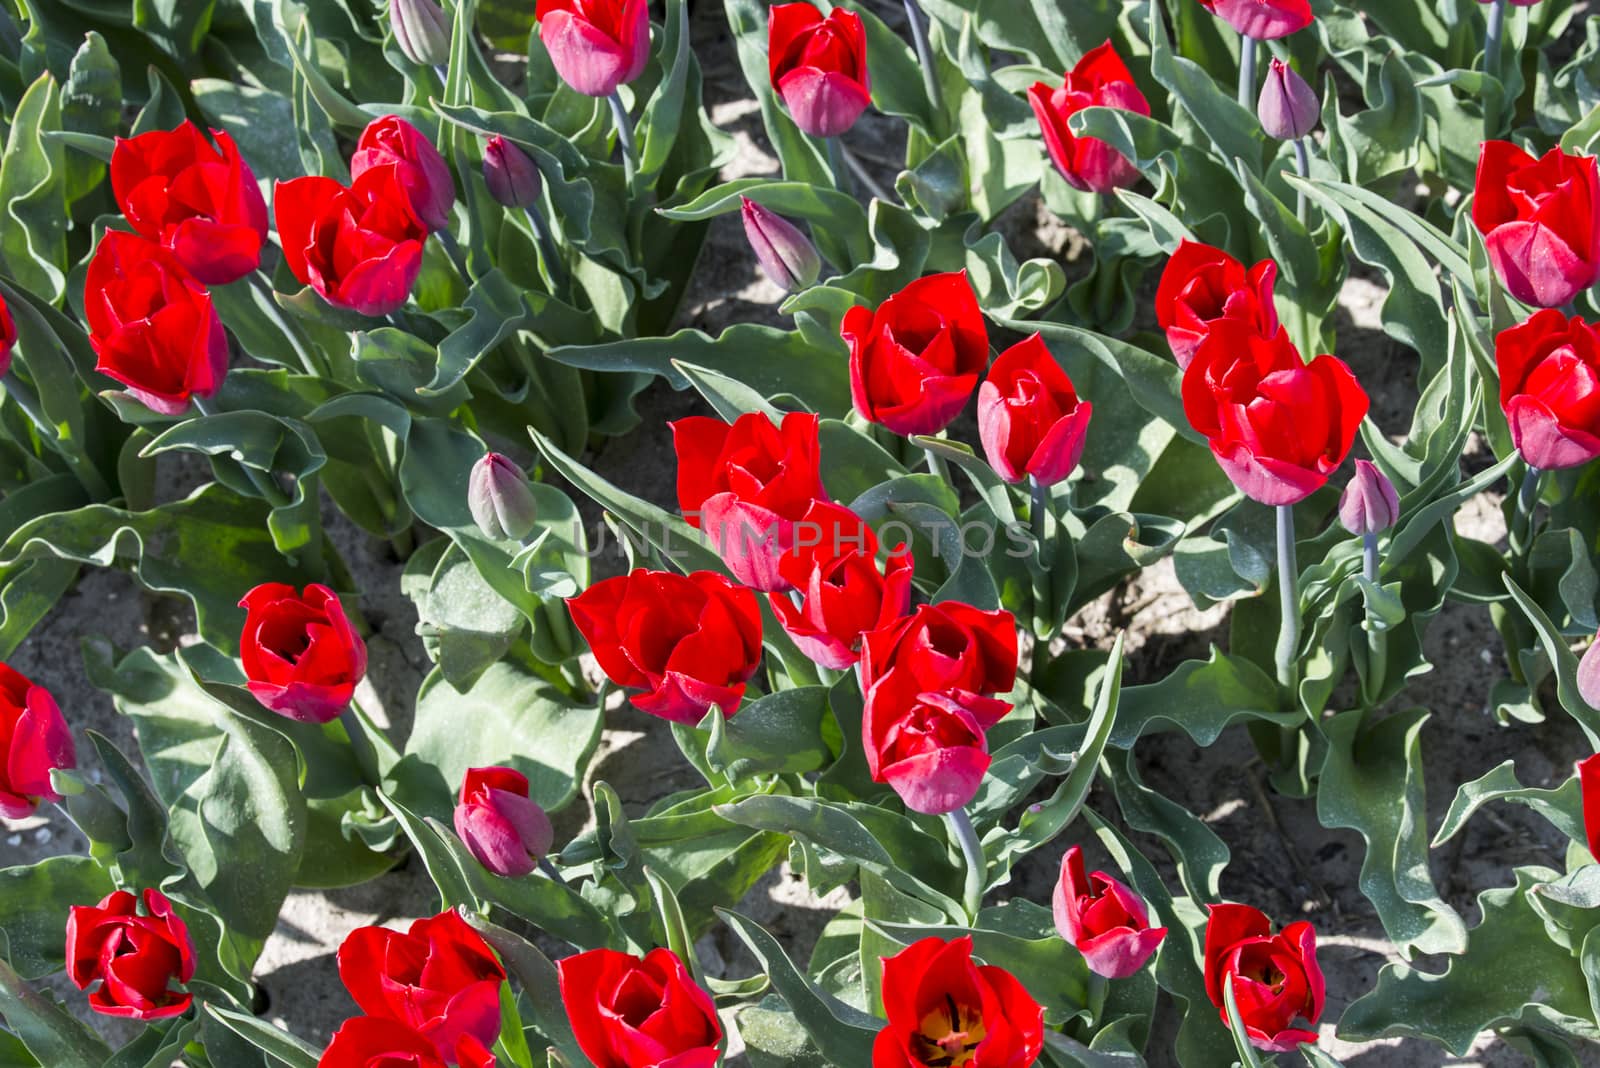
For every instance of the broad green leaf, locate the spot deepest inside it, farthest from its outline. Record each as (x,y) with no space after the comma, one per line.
(279,1045)
(1201,697)
(33,195)
(34,899)
(1561,806)
(50,1034)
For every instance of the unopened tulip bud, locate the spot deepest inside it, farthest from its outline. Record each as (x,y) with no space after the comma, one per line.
(421,30)
(1288,108)
(786,255)
(502,828)
(1369,504)
(512,177)
(500,499)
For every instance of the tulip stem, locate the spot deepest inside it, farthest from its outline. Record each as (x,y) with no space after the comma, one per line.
(1521,532)
(265,486)
(966,836)
(269,297)
(841,159)
(630,151)
(1039,514)
(547,247)
(1491,43)
(452,248)
(361,746)
(550,871)
(1247,72)
(1302,167)
(1369,556)
(1288,598)
(936,465)
(930,73)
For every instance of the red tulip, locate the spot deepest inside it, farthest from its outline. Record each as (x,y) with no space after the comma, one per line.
(747,485)
(1100,79)
(1275,978)
(8,336)
(930,746)
(944,646)
(200,201)
(439,978)
(131,959)
(34,741)
(375,1042)
(915,361)
(1029,417)
(596,45)
(1103,918)
(844,592)
(818,66)
(1277,425)
(1200,285)
(1589,787)
(631,1012)
(300,653)
(1262,20)
(944,1008)
(505,830)
(361,247)
(1540,221)
(392,142)
(152,324)
(689,641)
(1550,388)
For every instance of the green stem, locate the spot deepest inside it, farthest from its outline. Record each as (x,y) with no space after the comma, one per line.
(930,73)
(268,489)
(844,162)
(1369,557)
(1039,513)
(630,152)
(1288,599)
(291,334)
(1302,167)
(452,248)
(550,870)
(366,753)
(547,247)
(936,464)
(1520,535)
(1491,44)
(1247,73)
(966,837)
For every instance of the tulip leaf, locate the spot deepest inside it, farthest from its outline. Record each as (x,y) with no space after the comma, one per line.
(1200,854)
(465,625)
(279,1045)
(33,194)
(1561,806)
(778,733)
(1564,660)
(1241,1036)
(1202,697)
(33,908)
(1372,784)
(47,1030)
(540,986)
(1232,129)
(1511,972)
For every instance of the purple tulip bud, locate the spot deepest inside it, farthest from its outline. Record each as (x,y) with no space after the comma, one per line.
(421,30)
(512,177)
(1589,676)
(500,826)
(785,254)
(1288,108)
(500,499)
(1369,504)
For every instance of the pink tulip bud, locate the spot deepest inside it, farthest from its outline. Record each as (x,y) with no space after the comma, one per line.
(500,499)
(1288,108)
(502,828)
(421,30)
(512,177)
(785,254)
(1369,504)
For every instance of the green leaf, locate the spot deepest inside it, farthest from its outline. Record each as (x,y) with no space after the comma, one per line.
(465,625)
(33,200)
(445,867)
(1372,783)
(1202,697)
(777,734)
(1563,659)
(540,985)
(1561,806)
(279,1045)
(45,1028)
(34,899)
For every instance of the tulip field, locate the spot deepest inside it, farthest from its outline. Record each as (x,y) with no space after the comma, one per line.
(813,534)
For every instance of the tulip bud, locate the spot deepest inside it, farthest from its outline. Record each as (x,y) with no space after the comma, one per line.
(421,30)
(512,177)
(500,499)
(506,831)
(1287,108)
(1369,504)
(786,255)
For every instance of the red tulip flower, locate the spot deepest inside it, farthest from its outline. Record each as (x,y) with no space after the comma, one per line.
(361,247)
(152,324)
(916,360)
(1105,920)
(746,485)
(1550,388)
(1277,425)
(129,960)
(1262,20)
(633,1012)
(1276,980)
(1200,285)
(596,45)
(34,741)
(1030,419)
(943,646)
(930,746)
(1100,79)
(1540,221)
(8,336)
(689,641)
(844,591)
(1589,787)
(945,1008)
(505,830)
(818,67)
(200,201)
(394,143)
(302,657)
(438,978)
(376,1042)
